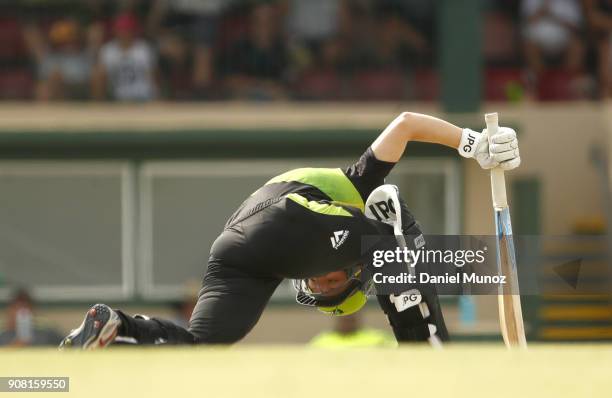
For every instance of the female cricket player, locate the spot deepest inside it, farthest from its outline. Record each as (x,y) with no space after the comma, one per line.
(305,225)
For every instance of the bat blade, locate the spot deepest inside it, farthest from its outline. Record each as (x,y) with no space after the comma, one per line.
(509,299)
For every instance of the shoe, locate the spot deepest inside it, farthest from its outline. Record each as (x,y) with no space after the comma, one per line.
(98,330)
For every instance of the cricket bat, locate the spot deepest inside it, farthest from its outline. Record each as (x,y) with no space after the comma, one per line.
(509,299)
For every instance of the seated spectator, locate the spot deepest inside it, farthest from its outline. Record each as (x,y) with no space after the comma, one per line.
(255,66)
(21,329)
(16,79)
(126,66)
(186,34)
(379,36)
(500,33)
(551,34)
(421,15)
(599,16)
(333,54)
(63,62)
(312,21)
(311,25)
(398,44)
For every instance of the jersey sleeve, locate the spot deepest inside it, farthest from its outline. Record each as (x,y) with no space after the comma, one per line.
(368,173)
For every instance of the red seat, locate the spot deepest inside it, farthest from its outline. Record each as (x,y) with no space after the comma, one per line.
(11,40)
(426,85)
(319,84)
(379,85)
(558,85)
(16,84)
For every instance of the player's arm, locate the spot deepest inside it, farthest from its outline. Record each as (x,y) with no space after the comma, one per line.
(391,143)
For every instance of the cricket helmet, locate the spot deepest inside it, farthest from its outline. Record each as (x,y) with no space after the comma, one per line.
(351,299)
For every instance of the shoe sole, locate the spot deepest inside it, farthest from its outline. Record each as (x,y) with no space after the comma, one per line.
(98,329)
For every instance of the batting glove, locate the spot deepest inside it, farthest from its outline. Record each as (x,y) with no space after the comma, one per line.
(502,150)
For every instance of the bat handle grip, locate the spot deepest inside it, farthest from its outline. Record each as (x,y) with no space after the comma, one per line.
(498,181)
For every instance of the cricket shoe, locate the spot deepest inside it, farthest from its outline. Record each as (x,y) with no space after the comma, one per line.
(98,330)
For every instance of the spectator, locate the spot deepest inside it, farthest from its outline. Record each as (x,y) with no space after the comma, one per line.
(356,34)
(420,14)
(63,62)
(398,44)
(378,35)
(552,35)
(333,52)
(20,329)
(126,65)
(312,21)
(255,65)
(311,25)
(500,34)
(186,33)
(599,16)
(16,80)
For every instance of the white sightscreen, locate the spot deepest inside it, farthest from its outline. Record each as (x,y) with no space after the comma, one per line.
(66,228)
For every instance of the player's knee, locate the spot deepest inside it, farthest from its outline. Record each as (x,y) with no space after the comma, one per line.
(218,334)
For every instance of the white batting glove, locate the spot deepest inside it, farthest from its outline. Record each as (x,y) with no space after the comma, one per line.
(501,151)
(504,148)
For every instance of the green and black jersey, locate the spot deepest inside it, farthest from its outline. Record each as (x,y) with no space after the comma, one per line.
(305,222)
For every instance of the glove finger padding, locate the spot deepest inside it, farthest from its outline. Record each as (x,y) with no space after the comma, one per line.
(511,164)
(499,148)
(505,156)
(504,134)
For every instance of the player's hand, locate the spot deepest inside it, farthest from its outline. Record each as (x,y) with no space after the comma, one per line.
(502,151)
(504,148)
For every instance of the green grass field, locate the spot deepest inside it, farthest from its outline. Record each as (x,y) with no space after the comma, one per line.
(292,371)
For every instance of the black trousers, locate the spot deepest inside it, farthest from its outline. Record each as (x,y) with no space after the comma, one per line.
(229,305)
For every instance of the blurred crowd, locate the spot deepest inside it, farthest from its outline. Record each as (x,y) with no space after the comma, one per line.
(24,326)
(21,328)
(142,50)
